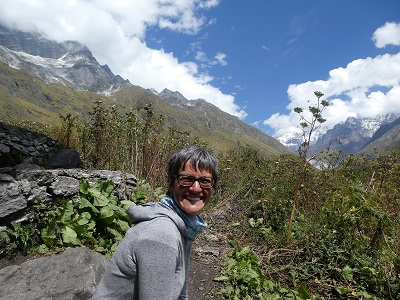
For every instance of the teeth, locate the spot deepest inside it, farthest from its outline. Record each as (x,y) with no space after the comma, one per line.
(194,199)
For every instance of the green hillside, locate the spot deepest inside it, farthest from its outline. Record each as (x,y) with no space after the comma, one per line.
(24,97)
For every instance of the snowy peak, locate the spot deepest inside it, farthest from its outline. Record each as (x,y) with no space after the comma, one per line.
(352,135)
(371,124)
(68,63)
(35,44)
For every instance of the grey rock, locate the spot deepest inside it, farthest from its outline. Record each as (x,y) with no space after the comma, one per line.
(12,205)
(72,275)
(18,143)
(65,186)
(6,177)
(207,250)
(65,159)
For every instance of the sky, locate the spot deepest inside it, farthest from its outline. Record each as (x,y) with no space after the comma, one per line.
(255,59)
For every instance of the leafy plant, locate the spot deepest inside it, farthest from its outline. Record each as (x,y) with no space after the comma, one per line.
(244,279)
(308,127)
(18,237)
(97,219)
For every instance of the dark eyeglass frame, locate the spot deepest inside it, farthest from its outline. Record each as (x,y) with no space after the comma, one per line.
(193,179)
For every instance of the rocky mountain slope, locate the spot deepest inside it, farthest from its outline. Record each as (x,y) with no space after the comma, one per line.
(355,136)
(360,135)
(40,79)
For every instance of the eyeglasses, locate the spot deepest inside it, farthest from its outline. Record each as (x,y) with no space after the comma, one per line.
(188,180)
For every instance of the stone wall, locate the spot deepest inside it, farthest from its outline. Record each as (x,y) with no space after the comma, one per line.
(24,178)
(21,185)
(18,145)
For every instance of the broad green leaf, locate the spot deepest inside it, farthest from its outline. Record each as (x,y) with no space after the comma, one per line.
(100,249)
(99,200)
(112,198)
(84,203)
(86,215)
(114,246)
(84,218)
(121,214)
(48,236)
(67,214)
(69,236)
(117,235)
(126,204)
(343,290)
(122,225)
(109,187)
(107,215)
(83,187)
(82,221)
(3,236)
(303,292)
(91,225)
(347,273)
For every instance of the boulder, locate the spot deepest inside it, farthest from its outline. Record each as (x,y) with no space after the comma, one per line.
(65,159)
(72,275)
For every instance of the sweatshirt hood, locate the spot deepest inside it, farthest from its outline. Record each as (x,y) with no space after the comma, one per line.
(152,210)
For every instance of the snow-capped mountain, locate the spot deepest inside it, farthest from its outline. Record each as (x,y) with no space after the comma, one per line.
(69,63)
(41,79)
(350,136)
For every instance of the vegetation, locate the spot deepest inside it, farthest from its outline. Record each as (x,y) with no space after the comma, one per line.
(342,217)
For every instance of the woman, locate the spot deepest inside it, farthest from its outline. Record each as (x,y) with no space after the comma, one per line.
(152,261)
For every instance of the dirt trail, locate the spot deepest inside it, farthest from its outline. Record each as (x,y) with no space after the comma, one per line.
(206,260)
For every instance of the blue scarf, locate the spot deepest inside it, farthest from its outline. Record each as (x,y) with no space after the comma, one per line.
(193,225)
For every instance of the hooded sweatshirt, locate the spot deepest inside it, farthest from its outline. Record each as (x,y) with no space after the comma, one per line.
(152,260)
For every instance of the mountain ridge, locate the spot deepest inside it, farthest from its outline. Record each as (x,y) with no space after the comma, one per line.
(68,78)
(355,136)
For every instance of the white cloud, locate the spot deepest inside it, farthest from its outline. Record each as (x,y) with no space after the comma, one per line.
(365,88)
(201,56)
(115,32)
(209,3)
(220,58)
(388,34)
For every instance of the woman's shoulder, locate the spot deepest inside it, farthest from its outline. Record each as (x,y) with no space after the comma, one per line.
(157,228)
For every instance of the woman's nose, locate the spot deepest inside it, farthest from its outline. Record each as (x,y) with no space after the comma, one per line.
(196,186)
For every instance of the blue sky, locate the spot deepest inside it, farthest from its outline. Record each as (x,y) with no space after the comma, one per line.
(256,59)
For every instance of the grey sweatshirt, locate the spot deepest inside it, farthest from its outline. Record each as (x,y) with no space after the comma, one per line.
(152,260)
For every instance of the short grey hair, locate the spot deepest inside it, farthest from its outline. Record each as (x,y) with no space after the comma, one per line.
(199,157)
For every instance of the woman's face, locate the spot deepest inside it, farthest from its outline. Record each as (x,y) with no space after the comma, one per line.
(193,198)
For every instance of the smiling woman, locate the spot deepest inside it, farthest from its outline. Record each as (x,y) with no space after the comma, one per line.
(152,261)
